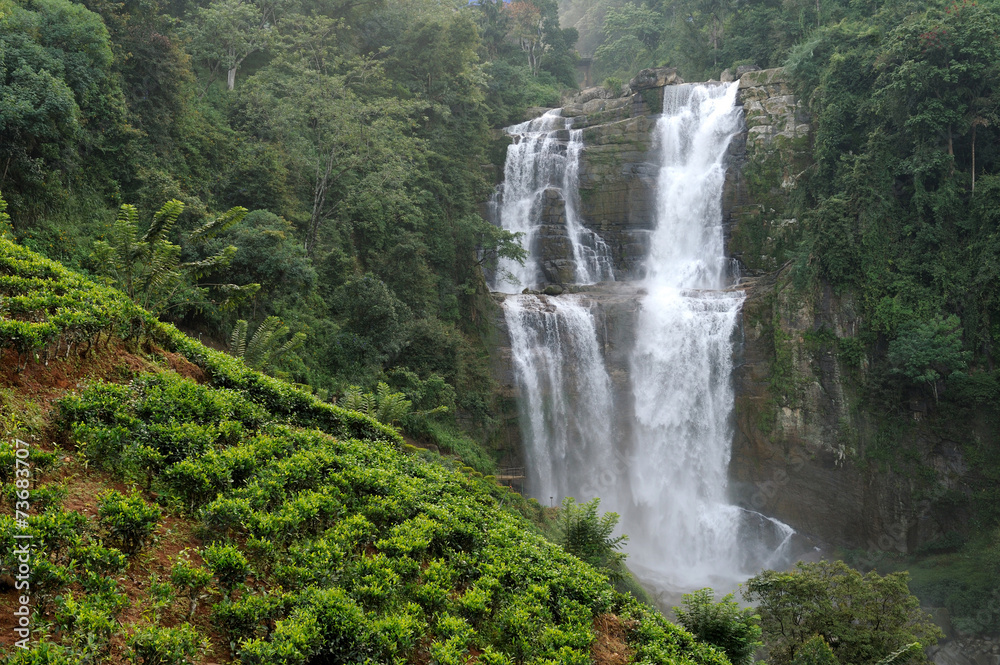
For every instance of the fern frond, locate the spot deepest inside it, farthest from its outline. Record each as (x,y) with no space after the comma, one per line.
(353,399)
(163,220)
(235,294)
(263,339)
(297,340)
(902,654)
(219,224)
(238,340)
(369,404)
(198,269)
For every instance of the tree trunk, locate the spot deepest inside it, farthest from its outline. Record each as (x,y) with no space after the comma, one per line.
(973,157)
(319,198)
(231,78)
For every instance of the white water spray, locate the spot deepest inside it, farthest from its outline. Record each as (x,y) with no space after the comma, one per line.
(566,401)
(686,532)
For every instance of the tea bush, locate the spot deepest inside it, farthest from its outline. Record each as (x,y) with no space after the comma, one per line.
(228,563)
(128,520)
(153,645)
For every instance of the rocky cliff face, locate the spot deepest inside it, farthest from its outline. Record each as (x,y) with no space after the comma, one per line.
(806,450)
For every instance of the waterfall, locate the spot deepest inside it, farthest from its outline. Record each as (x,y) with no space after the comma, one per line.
(545,155)
(656,446)
(566,403)
(591,255)
(687,532)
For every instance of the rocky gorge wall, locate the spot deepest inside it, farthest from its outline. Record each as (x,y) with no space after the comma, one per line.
(807,448)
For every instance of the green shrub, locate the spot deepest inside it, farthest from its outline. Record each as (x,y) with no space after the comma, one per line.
(723,624)
(57,531)
(197,481)
(228,563)
(43,653)
(190,580)
(249,617)
(90,622)
(99,559)
(586,535)
(153,645)
(128,520)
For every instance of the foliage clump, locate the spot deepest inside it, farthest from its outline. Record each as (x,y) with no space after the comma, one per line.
(861,618)
(128,520)
(585,534)
(723,624)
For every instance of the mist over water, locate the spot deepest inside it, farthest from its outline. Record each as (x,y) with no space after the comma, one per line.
(656,448)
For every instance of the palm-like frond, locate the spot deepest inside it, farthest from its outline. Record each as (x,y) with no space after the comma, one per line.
(900,655)
(353,399)
(392,407)
(264,348)
(238,340)
(264,337)
(219,224)
(149,269)
(163,220)
(201,268)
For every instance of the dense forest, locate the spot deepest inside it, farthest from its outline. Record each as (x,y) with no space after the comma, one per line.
(357,134)
(300,183)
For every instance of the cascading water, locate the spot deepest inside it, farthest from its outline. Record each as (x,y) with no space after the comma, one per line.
(658,451)
(546,154)
(566,403)
(686,532)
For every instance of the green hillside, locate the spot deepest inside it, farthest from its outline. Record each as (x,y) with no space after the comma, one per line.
(242,518)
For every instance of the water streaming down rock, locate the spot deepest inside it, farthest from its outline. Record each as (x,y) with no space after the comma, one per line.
(686,532)
(657,451)
(539,198)
(566,401)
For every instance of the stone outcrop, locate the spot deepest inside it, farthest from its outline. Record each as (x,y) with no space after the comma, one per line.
(617,171)
(767,160)
(805,449)
(553,243)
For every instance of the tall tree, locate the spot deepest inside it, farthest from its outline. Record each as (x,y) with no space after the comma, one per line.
(227,32)
(336,118)
(938,73)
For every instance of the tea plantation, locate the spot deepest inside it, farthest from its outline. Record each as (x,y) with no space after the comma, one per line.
(315,534)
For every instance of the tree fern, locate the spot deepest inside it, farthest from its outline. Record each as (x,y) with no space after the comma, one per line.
(353,399)
(265,347)
(163,220)
(383,405)
(149,268)
(392,407)
(238,340)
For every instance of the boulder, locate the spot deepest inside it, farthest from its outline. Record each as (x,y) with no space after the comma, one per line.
(655,78)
